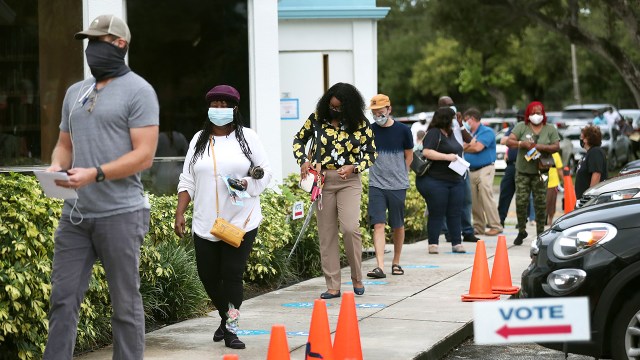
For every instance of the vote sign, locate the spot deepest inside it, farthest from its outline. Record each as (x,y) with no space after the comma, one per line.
(298,210)
(531,320)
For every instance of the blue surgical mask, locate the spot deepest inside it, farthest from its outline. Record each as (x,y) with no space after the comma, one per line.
(220,116)
(467,126)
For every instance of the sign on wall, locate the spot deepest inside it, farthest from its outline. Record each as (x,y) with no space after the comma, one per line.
(289,109)
(531,320)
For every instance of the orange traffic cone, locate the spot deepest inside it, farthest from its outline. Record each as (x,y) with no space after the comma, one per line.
(346,344)
(569,191)
(319,341)
(501,272)
(230,357)
(278,346)
(480,288)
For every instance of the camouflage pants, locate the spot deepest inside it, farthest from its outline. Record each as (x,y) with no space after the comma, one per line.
(526,184)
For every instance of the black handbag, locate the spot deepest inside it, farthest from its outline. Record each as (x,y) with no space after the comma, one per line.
(546,162)
(420,165)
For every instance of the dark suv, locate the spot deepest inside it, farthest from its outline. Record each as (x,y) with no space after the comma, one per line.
(594,252)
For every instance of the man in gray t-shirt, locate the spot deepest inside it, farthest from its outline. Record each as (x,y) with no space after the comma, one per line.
(108,135)
(388,182)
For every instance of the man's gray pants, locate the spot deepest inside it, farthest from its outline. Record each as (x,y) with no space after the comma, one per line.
(115,241)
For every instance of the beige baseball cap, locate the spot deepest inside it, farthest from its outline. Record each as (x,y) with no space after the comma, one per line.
(106,25)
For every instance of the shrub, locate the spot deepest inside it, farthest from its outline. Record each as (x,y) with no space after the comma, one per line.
(170,286)
(414,209)
(27,224)
(179,295)
(267,262)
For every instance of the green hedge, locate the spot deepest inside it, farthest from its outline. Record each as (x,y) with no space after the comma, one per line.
(170,286)
(169,283)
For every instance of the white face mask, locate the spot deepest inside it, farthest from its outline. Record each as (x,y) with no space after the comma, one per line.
(536,119)
(380,120)
(220,116)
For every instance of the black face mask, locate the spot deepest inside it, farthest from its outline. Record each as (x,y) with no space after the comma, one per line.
(581,143)
(106,60)
(337,115)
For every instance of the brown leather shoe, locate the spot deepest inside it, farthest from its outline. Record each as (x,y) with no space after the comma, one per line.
(477,232)
(493,232)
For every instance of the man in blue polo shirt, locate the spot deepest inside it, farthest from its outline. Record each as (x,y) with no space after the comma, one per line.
(481,155)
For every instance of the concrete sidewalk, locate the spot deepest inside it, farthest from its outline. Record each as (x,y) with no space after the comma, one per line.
(418,315)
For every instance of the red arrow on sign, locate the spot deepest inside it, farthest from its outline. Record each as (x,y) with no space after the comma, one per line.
(507,331)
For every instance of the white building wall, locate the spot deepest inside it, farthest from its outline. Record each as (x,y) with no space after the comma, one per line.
(286,61)
(263,68)
(351,47)
(91,9)
(263,79)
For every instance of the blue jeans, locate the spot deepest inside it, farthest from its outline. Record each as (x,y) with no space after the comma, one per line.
(444,200)
(466,225)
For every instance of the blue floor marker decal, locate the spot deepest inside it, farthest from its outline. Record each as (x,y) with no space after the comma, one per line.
(420,266)
(369,282)
(266,332)
(297,333)
(252,332)
(467,253)
(370,306)
(306,305)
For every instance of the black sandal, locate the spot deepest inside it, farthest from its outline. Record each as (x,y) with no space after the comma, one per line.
(376,273)
(396,270)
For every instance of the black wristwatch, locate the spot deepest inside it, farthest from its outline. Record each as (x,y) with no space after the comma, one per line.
(100,175)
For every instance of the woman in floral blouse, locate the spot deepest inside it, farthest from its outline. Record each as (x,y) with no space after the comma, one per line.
(346,148)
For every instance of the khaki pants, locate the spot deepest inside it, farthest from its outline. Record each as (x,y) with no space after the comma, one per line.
(483,207)
(340,207)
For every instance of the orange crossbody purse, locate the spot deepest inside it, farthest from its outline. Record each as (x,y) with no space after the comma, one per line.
(222,229)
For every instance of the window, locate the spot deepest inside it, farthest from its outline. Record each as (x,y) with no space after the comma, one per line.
(183,49)
(37,64)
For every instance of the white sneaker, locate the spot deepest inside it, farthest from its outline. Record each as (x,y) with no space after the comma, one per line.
(433,249)
(458,249)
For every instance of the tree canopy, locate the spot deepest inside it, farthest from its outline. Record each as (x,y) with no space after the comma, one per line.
(505,53)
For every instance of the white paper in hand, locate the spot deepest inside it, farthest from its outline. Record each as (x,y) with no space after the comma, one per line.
(460,165)
(47,182)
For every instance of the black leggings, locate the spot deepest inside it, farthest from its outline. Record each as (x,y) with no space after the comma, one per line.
(221,268)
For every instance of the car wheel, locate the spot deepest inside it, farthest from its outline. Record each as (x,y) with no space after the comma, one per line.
(625,331)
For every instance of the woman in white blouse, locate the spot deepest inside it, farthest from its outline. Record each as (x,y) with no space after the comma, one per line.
(235,150)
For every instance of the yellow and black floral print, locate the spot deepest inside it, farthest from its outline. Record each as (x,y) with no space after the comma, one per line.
(337,146)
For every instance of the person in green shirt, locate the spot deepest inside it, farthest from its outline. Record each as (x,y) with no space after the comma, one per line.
(535,139)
